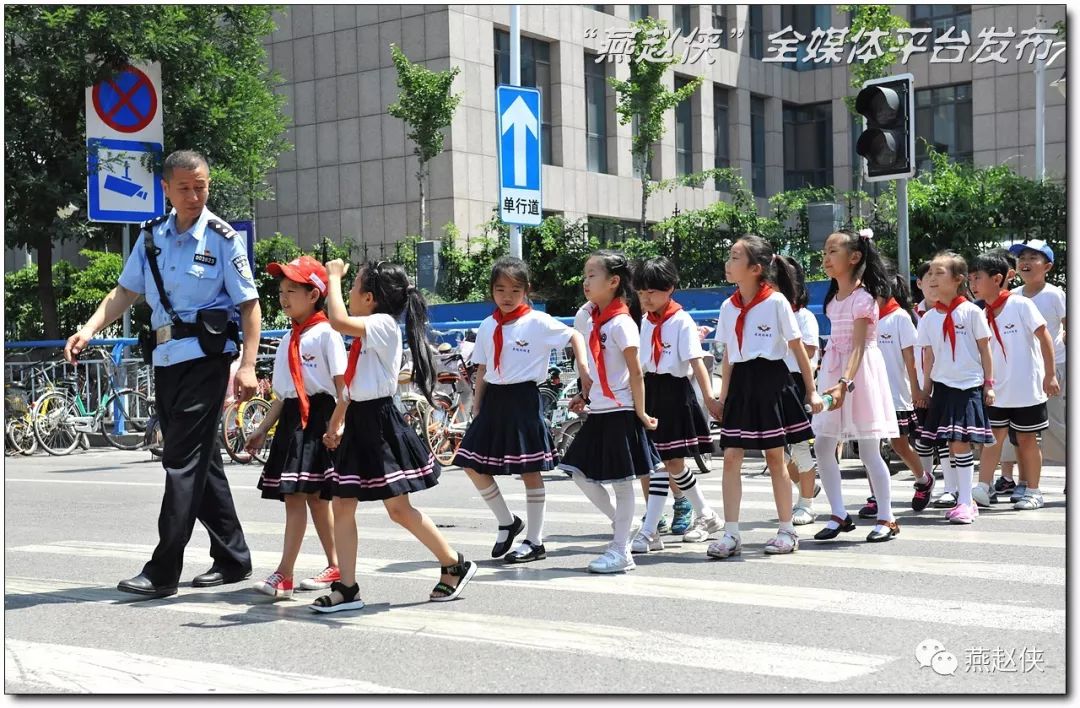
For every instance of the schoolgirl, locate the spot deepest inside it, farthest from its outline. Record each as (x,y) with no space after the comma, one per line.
(761,406)
(1023,355)
(802,468)
(612,447)
(308,377)
(670,352)
(863,407)
(956,355)
(379,456)
(508,435)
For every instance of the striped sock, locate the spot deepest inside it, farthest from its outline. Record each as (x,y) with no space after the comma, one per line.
(686,481)
(925,451)
(494,499)
(658,491)
(965,472)
(535,504)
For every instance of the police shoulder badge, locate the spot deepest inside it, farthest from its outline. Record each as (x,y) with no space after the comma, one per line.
(242,267)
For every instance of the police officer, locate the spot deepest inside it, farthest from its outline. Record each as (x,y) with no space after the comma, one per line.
(206,277)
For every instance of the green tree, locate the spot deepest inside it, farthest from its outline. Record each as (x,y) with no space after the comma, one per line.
(217,97)
(644,97)
(426,105)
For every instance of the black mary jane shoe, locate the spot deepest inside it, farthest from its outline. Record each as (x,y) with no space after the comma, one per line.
(826,534)
(499,549)
(535,553)
(875,536)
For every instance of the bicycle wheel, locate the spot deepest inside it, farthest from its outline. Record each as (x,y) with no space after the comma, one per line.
(549,400)
(251,416)
(232,434)
(54,423)
(20,435)
(437,421)
(153,440)
(414,412)
(124,420)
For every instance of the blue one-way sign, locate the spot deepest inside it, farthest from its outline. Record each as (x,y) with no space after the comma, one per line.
(518,110)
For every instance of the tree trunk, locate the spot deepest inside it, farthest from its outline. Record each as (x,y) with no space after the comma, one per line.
(421,177)
(46,292)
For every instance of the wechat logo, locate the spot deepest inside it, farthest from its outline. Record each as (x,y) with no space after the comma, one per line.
(931,652)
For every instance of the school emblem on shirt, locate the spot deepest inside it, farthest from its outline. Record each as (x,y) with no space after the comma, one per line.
(520,345)
(1010,326)
(886,336)
(307,357)
(206,258)
(960,328)
(764,328)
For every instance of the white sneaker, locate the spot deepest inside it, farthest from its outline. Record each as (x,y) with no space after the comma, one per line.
(727,546)
(1030,501)
(611,561)
(980,496)
(702,527)
(802,515)
(643,543)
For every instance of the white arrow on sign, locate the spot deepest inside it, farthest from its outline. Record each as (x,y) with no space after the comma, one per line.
(519,118)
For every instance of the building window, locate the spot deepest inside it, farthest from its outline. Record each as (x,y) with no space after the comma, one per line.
(808,146)
(756,24)
(943,119)
(607,230)
(596,130)
(721,134)
(536,72)
(649,164)
(942,17)
(684,132)
(804,19)
(757,145)
(683,22)
(638,12)
(719,22)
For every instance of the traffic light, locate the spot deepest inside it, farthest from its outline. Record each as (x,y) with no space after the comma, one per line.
(887,143)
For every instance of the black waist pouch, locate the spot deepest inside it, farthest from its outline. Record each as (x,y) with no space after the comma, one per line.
(147,342)
(213,330)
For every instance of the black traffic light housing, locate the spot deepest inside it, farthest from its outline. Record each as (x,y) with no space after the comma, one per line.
(887,143)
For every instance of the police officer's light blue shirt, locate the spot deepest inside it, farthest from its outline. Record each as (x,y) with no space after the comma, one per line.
(200,268)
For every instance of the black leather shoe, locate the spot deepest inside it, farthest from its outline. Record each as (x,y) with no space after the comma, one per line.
(514,528)
(535,553)
(891,529)
(826,534)
(141,585)
(215,576)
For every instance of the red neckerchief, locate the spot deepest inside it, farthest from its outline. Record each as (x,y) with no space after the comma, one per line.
(658,321)
(888,308)
(354,358)
(599,319)
(295,368)
(501,319)
(992,318)
(762,294)
(949,327)
(919,310)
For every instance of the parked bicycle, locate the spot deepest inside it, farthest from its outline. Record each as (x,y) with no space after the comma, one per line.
(450,414)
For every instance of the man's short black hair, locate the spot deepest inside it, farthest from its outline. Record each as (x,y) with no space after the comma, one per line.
(185,160)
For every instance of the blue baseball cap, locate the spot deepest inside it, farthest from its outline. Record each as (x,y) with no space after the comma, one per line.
(1035,245)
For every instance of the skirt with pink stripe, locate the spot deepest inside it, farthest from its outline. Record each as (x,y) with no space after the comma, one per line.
(763,409)
(298,461)
(956,415)
(681,426)
(510,435)
(380,456)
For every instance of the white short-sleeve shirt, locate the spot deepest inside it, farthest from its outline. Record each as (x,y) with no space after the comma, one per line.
(322,357)
(681,345)
(1051,304)
(810,334)
(965,371)
(1018,371)
(896,332)
(380,359)
(526,349)
(769,326)
(616,335)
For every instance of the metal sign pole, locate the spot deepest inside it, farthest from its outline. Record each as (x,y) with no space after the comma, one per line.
(127,252)
(903,250)
(515,80)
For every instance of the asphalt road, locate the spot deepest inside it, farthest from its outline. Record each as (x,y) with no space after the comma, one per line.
(838,617)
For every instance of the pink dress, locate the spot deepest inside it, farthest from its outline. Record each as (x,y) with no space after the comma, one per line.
(868,410)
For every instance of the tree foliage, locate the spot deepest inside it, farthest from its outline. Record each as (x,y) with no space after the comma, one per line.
(867,19)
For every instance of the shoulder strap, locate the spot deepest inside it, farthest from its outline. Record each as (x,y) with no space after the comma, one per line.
(151,257)
(221,228)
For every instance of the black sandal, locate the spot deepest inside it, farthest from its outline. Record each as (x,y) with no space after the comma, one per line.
(846,524)
(535,553)
(515,527)
(350,599)
(464,570)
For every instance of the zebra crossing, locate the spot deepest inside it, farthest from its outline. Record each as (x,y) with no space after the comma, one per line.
(834,617)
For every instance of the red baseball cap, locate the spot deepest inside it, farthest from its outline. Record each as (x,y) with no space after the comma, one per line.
(304,269)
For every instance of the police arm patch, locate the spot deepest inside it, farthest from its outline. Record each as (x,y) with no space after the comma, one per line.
(242,267)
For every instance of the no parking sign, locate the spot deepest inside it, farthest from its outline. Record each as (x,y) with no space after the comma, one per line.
(124,138)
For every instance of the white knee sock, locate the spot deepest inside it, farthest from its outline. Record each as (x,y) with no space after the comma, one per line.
(597,494)
(829,473)
(624,515)
(878,472)
(948,469)
(494,499)
(686,481)
(535,504)
(965,471)
(654,505)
